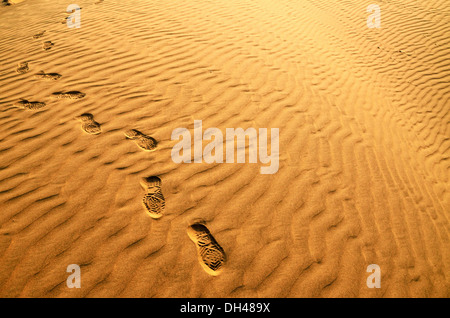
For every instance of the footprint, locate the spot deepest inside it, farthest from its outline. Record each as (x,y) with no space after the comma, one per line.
(22,68)
(88,124)
(25,104)
(210,254)
(38,35)
(69,95)
(153,200)
(48,76)
(143,141)
(47,45)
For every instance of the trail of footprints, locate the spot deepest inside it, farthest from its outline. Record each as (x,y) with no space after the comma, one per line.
(210,254)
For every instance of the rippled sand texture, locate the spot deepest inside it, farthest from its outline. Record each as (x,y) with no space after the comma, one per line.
(364,148)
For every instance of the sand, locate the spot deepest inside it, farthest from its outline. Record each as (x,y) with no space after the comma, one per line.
(364,148)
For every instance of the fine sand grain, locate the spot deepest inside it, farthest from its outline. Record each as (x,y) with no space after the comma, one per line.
(364,165)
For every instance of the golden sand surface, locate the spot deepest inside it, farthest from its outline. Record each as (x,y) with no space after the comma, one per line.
(86,175)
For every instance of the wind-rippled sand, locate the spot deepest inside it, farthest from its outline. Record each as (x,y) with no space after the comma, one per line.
(364,148)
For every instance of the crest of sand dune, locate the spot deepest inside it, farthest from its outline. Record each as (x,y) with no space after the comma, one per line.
(364,142)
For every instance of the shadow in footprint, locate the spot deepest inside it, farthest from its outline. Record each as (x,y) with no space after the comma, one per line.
(48,76)
(88,124)
(25,104)
(38,35)
(22,68)
(69,95)
(47,45)
(153,200)
(210,254)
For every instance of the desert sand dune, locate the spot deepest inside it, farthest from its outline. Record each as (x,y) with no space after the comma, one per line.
(364,171)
